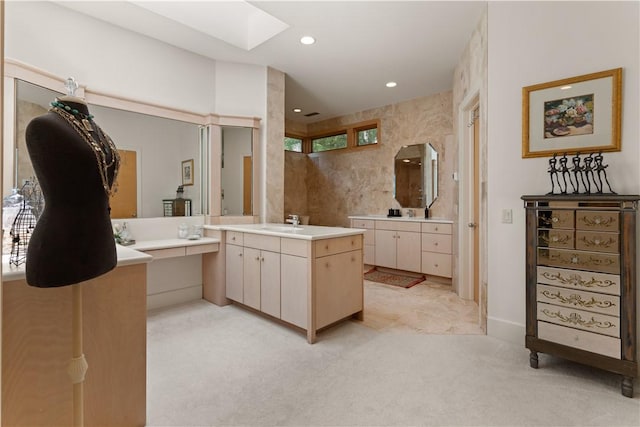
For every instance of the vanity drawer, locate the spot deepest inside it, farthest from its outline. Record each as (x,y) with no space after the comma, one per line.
(337,245)
(260,241)
(556,219)
(575,338)
(556,238)
(588,301)
(597,220)
(436,264)
(597,241)
(201,249)
(295,247)
(166,253)
(234,238)
(363,223)
(579,319)
(395,225)
(585,280)
(436,243)
(594,261)
(437,227)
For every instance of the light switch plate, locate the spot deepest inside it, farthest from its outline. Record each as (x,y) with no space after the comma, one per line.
(507,216)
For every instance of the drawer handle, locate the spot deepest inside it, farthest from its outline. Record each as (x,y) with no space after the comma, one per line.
(233,238)
(436,265)
(436,244)
(326,247)
(239,254)
(555,219)
(436,228)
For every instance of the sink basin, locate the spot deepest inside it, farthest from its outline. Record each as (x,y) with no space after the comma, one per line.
(282,228)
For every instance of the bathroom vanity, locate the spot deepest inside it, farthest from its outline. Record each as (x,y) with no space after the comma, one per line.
(37,347)
(407,243)
(308,277)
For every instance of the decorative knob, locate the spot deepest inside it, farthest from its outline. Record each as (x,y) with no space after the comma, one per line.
(436,244)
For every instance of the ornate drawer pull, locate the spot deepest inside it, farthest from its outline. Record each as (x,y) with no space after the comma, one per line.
(576,300)
(576,280)
(576,319)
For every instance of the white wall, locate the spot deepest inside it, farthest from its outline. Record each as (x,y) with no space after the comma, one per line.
(537,42)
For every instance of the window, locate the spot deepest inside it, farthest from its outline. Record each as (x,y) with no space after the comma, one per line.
(356,136)
(326,143)
(293,144)
(367,136)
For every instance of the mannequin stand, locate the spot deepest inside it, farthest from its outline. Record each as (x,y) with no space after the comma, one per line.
(78,365)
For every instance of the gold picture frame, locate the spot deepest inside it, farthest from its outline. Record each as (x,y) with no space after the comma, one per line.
(575,115)
(187,172)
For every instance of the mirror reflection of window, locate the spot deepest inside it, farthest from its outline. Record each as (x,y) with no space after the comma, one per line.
(416,176)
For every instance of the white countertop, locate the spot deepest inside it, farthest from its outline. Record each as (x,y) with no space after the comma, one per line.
(148,245)
(401,218)
(126,256)
(305,232)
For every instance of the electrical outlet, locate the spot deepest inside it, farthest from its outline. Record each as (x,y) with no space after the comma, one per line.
(507,216)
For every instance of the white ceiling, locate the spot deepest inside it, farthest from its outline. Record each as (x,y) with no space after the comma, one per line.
(360,45)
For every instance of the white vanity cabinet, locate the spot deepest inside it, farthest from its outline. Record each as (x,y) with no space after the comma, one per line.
(310,281)
(369,248)
(410,244)
(397,245)
(436,249)
(253,271)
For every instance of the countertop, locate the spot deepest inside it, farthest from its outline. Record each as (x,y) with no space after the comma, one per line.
(148,245)
(126,256)
(401,218)
(304,232)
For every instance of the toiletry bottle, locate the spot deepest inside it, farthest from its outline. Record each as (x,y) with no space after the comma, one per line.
(426,211)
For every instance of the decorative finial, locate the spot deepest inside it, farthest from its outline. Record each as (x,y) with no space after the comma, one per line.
(71,85)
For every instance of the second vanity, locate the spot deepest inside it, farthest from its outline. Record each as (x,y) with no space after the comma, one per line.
(407,243)
(308,276)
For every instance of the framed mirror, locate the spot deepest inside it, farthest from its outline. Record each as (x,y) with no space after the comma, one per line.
(236,179)
(152,150)
(416,176)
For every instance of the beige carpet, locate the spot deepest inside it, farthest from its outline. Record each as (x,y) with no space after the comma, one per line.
(427,308)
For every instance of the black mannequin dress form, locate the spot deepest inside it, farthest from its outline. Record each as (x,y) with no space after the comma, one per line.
(73,239)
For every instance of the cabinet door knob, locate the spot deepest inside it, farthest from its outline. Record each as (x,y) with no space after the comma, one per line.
(472,225)
(436,265)
(436,244)
(239,254)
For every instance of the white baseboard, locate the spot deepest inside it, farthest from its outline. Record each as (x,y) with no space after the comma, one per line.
(177,296)
(506,330)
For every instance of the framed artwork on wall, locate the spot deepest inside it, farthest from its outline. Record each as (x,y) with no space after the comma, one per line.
(579,114)
(187,172)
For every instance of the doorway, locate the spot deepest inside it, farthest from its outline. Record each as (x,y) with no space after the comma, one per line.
(472,199)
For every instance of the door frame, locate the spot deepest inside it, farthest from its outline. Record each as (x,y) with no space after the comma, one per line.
(465,202)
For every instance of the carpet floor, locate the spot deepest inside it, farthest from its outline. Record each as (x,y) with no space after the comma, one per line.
(225,366)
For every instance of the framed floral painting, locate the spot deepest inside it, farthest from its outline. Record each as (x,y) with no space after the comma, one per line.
(578,114)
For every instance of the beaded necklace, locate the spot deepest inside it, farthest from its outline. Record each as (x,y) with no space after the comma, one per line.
(84,126)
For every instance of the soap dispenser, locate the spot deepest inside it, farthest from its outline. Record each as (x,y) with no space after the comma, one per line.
(426,212)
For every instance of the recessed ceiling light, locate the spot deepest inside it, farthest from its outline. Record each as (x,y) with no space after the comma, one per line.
(391,84)
(297,110)
(406,160)
(565,87)
(307,40)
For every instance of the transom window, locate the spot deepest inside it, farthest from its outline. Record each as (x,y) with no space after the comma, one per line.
(356,136)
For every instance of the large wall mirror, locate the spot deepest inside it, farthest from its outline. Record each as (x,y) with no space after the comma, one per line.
(236,179)
(152,150)
(416,176)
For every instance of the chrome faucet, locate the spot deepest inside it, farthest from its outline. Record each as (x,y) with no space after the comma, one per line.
(294,219)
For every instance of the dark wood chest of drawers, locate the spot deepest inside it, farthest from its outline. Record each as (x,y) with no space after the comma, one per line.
(581,281)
